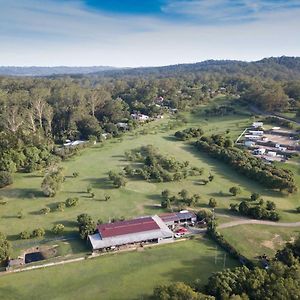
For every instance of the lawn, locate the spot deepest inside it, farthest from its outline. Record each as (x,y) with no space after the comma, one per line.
(253,240)
(130,275)
(137,197)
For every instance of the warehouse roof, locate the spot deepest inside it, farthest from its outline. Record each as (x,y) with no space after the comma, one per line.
(127,227)
(132,231)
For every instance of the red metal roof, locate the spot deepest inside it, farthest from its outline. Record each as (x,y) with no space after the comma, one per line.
(127,227)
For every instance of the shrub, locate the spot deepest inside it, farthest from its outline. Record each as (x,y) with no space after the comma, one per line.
(212,202)
(235,190)
(45,211)
(20,214)
(39,232)
(204,214)
(165,203)
(5,179)
(71,202)
(52,182)
(61,206)
(75,174)
(58,229)
(298,209)
(254,196)
(25,235)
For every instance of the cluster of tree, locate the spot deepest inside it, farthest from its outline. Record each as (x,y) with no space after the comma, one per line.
(52,181)
(245,163)
(279,122)
(58,229)
(157,167)
(267,95)
(86,225)
(279,281)
(70,202)
(257,210)
(183,198)
(22,154)
(188,133)
(5,248)
(5,178)
(118,179)
(290,254)
(220,240)
(36,233)
(219,111)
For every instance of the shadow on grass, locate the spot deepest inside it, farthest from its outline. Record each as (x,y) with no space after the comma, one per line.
(23,193)
(292,211)
(67,223)
(10,217)
(155,197)
(34,176)
(220,194)
(102,183)
(170,138)
(211,262)
(152,207)
(224,171)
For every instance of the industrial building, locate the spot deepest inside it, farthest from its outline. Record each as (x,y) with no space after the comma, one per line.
(137,231)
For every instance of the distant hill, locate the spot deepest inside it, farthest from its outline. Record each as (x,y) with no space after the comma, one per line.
(280,68)
(48,71)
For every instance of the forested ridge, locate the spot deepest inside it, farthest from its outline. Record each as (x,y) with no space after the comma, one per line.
(39,113)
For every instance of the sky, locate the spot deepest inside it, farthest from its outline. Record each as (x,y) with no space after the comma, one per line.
(132,33)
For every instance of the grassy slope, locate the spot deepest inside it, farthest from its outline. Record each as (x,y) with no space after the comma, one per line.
(135,274)
(138,197)
(253,240)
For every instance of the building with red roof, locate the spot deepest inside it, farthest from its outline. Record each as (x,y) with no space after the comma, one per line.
(141,230)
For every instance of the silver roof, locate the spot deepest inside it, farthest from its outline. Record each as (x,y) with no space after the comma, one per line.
(162,232)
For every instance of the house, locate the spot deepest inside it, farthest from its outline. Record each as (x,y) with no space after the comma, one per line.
(253,137)
(150,229)
(259,151)
(140,117)
(72,144)
(105,135)
(159,99)
(179,218)
(272,153)
(256,132)
(249,143)
(123,126)
(257,124)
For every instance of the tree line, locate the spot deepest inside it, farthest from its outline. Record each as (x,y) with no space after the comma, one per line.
(243,162)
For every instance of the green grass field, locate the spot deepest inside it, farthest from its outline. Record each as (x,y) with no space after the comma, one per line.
(138,197)
(253,240)
(131,275)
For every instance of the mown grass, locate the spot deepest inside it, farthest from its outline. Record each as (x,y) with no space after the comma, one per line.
(137,197)
(254,240)
(130,275)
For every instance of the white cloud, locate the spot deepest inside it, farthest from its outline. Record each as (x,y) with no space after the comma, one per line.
(55,32)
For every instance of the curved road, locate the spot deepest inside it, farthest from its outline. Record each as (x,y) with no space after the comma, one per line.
(258,222)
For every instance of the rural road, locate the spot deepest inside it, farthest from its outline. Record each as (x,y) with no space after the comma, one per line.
(258,222)
(258,111)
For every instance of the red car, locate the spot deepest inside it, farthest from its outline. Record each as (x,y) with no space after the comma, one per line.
(182,231)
